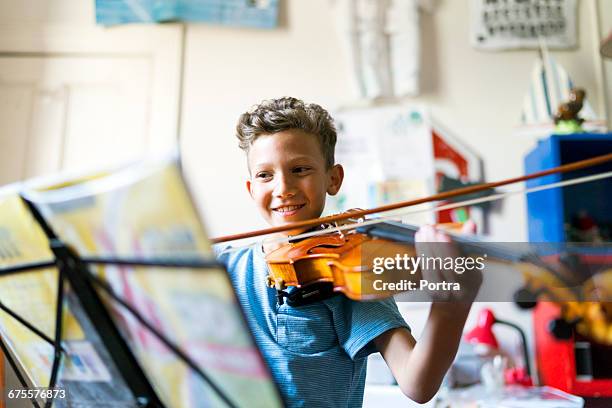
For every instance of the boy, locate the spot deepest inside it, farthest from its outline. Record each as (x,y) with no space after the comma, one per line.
(317,353)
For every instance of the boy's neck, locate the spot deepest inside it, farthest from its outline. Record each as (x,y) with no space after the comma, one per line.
(269,247)
(272,246)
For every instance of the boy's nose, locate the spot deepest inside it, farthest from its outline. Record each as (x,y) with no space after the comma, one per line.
(284,187)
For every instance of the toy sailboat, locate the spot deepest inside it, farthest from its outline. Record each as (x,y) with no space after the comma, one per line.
(549,87)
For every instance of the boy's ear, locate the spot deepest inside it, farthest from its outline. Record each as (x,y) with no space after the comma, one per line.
(249,186)
(336,175)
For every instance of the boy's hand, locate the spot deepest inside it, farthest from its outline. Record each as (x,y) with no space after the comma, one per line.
(433,243)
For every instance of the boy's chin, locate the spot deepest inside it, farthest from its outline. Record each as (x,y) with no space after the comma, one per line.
(285,221)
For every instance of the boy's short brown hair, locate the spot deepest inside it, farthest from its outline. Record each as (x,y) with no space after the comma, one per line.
(276,115)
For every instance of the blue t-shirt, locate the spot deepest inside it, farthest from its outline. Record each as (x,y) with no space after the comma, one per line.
(317,353)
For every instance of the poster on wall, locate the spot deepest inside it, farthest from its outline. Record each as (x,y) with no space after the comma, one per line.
(242,13)
(398,153)
(516,24)
(386,155)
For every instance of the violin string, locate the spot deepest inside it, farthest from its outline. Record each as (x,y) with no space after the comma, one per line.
(398,215)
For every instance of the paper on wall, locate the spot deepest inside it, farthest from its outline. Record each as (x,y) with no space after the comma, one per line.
(387,155)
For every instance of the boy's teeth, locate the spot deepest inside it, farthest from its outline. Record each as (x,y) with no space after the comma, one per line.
(288,208)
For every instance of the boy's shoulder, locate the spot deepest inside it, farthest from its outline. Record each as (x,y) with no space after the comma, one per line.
(228,254)
(244,264)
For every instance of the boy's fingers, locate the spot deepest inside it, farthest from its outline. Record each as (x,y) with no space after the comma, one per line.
(442,237)
(429,233)
(469,227)
(426,233)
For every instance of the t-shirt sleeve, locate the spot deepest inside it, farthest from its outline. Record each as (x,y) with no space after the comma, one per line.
(222,253)
(358,323)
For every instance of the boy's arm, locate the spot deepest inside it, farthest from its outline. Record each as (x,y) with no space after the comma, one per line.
(420,367)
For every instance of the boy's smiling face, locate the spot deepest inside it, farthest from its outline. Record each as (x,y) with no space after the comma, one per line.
(289,179)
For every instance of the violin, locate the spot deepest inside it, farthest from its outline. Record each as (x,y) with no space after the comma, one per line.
(342,262)
(337,262)
(336,259)
(322,266)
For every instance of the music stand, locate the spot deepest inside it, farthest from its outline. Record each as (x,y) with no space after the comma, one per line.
(93,294)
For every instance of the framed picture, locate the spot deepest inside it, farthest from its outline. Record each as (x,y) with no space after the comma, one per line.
(516,24)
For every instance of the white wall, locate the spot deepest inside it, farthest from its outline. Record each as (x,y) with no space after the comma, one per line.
(476,95)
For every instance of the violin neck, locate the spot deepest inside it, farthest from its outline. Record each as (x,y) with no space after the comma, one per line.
(474,245)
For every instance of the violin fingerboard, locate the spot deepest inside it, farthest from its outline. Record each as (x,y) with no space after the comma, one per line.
(394,231)
(399,232)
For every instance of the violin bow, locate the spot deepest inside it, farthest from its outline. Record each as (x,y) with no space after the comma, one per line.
(594,161)
(396,216)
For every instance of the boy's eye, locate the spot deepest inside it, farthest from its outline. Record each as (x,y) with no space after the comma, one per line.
(301,169)
(263,175)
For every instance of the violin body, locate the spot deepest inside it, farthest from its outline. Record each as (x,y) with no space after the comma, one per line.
(321,266)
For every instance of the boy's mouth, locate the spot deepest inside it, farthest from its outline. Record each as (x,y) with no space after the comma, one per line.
(288,210)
